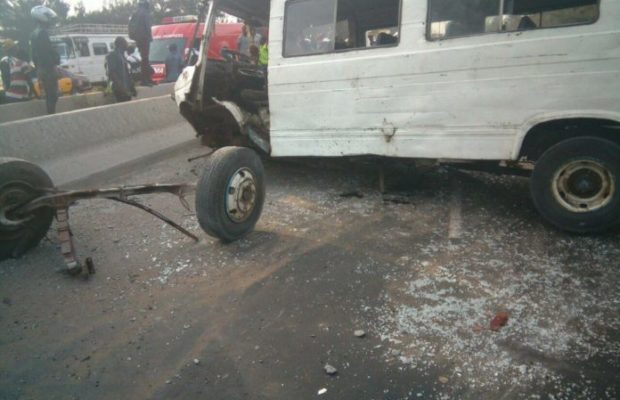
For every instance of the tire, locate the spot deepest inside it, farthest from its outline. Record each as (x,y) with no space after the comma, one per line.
(230,193)
(576,185)
(21,182)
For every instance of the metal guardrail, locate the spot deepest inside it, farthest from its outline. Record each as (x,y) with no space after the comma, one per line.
(91,29)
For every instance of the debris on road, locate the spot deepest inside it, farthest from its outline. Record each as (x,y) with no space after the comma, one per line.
(500,320)
(196,361)
(354,193)
(322,391)
(330,370)
(397,199)
(443,379)
(359,333)
(7,301)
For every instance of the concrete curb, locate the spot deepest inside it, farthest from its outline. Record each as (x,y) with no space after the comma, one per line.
(78,144)
(45,138)
(98,178)
(36,108)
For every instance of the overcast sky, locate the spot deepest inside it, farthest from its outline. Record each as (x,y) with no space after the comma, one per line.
(89,4)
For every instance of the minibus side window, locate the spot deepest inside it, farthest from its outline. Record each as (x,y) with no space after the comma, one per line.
(520,15)
(82,47)
(448,18)
(324,26)
(309,27)
(100,49)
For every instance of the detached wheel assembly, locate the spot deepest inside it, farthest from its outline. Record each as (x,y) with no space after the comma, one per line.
(28,203)
(229,202)
(230,193)
(576,185)
(21,182)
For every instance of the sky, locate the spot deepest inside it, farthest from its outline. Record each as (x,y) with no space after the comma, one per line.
(89,4)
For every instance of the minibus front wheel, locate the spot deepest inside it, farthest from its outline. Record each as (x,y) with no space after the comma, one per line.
(576,185)
(230,193)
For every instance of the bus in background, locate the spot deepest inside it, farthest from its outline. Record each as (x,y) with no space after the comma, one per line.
(82,48)
(181,31)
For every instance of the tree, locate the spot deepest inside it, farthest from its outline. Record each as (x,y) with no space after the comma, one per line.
(79,10)
(16,22)
(118,12)
(61,8)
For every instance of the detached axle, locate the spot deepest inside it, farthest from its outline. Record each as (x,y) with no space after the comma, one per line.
(229,200)
(61,201)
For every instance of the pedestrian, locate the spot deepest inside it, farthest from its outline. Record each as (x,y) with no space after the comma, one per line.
(254,55)
(140,31)
(243,42)
(5,68)
(15,73)
(45,58)
(118,71)
(254,36)
(263,52)
(174,64)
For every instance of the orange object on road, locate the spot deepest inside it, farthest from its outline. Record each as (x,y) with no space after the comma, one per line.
(500,320)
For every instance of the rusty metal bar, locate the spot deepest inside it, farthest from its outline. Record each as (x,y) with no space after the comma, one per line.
(158,215)
(63,199)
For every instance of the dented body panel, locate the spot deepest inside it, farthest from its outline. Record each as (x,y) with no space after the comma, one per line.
(469,98)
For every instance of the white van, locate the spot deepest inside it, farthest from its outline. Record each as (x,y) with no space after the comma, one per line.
(528,85)
(83,48)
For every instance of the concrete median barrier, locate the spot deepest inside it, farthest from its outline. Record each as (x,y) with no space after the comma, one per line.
(36,108)
(77,144)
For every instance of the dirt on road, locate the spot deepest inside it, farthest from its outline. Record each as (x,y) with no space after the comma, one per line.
(421,271)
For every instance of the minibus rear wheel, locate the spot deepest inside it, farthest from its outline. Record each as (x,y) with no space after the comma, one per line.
(230,193)
(576,185)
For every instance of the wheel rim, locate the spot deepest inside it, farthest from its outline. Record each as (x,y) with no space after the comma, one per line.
(584,186)
(241,195)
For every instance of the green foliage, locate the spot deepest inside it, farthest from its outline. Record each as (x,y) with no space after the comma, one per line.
(15,20)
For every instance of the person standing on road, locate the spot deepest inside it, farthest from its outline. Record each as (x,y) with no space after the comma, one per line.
(140,31)
(44,56)
(118,71)
(5,68)
(263,52)
(243,42)
(15,73)
(174,64)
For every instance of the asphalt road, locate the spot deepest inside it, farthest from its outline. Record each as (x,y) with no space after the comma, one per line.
(422,271)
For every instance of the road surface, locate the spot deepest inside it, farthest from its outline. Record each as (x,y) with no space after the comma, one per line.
(422,271)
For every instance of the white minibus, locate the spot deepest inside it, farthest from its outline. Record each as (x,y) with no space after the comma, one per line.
(531,86)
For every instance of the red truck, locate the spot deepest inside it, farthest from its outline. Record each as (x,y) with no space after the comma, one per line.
(181,30)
